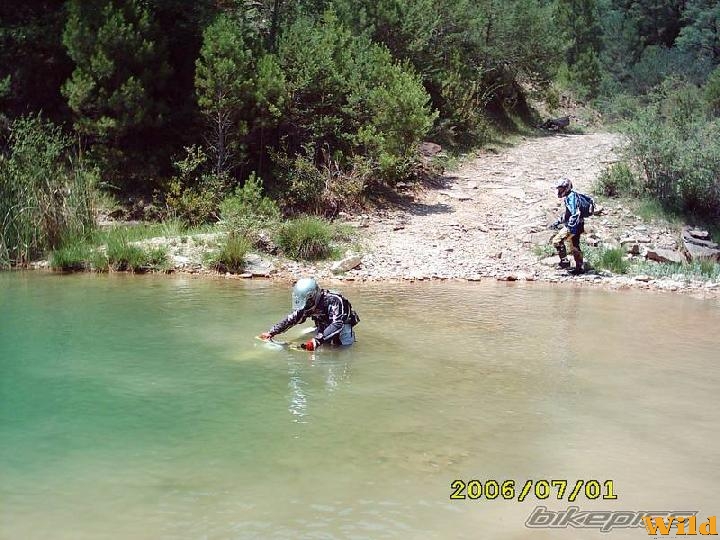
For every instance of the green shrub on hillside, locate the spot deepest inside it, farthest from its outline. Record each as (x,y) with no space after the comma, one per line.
(247,209)
(231,256)
(306,238)
(349,97)
(617,180)
(677,148)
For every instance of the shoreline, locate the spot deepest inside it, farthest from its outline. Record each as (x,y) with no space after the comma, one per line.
(487,220)
(707,290)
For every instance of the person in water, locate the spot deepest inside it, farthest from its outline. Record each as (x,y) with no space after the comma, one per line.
(332,314)
(571,225)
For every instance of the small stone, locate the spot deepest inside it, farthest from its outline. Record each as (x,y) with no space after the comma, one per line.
(472,185)
(642,277)
(245,275)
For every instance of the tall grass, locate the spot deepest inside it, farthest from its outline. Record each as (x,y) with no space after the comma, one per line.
(702,270)
(231,257)
(612,259)
(306,238)
(46,193)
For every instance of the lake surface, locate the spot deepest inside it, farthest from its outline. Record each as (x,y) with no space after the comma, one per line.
(143,408)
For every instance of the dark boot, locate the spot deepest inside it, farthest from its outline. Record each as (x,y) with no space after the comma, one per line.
(562,253)
(578,264)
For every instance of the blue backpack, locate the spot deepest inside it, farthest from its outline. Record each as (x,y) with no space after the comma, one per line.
(586,204)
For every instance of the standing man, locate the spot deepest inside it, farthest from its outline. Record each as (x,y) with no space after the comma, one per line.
(571,226)
(332,314)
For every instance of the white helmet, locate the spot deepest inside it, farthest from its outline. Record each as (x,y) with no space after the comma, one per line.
(305,293)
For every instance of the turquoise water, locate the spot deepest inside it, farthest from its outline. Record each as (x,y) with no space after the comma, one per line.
(143,407)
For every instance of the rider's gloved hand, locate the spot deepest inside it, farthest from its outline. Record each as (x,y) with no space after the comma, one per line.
(310,345)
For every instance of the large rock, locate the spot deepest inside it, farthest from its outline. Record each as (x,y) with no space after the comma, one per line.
(348,263)
(257,266)
(698,253)
(665,256)
(430,149)
(698,246)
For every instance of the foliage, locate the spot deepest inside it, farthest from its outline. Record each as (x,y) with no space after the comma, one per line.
(247,209)
(678,151)
(703,270)
(123,255)
(712,92)
(347,96)
(33,63)
(74,256)
(701,36)
(305,238)
(578,19)
(231,257)
(119,74)
(46,193)
(612,259)
(470,55)
(617,180)
(194,196)
(326,100)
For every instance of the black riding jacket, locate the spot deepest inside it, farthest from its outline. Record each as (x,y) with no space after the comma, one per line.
(330,314)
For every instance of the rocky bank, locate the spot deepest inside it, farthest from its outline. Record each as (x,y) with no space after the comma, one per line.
(488,220)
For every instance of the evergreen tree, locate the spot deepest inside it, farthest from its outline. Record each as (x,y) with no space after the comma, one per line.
(579,21)
(239,88)
(33,62)
(116,87)
(701,35)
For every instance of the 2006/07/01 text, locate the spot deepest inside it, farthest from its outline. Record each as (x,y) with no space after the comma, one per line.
(510,490)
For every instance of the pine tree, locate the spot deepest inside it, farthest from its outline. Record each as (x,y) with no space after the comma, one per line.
(701,35)
(238,87)
(116,87)
(580,23)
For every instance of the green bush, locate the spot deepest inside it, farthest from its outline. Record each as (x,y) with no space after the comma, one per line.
(194,196)
(617,180)
(306,238)
(99,261)
(677,148)
(74,256)
(348,97)
(612,259)
(46,194)
(712,92)
(123,255)
(231,257)
(247,210)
